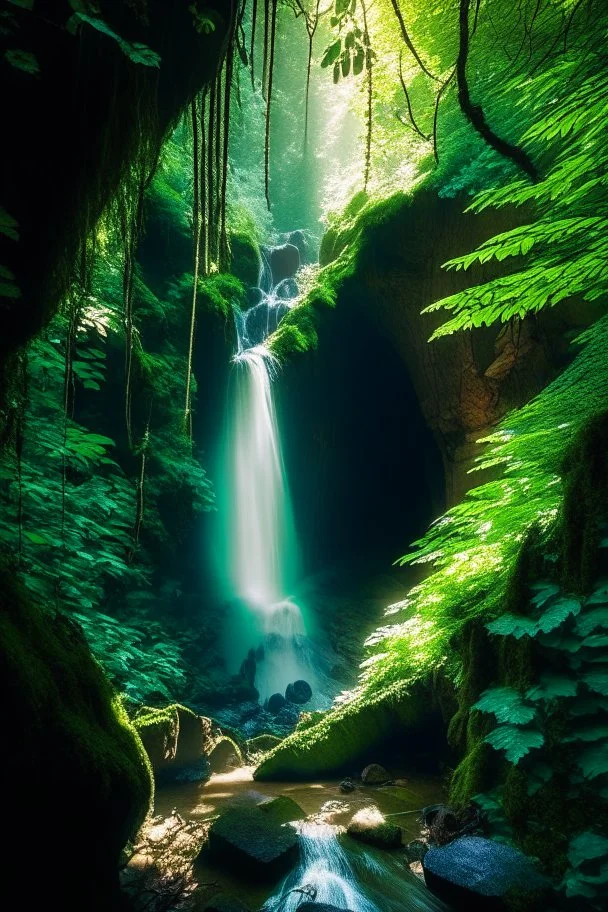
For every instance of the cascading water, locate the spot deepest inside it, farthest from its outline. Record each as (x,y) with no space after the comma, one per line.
(265,623)
(359,882)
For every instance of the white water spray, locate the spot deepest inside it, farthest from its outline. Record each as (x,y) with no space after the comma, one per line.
(360,882)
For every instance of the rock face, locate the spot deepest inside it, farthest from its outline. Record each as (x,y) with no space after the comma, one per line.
(253,843)
(299,692)
(284,262)
(374,774)
(474,873)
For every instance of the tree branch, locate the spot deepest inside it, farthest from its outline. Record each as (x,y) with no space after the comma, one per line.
(474,113)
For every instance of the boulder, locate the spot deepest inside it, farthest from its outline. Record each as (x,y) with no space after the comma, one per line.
(225,756)
(330,743)
(374,774)
(225,903)
(369,826)
(245,260)
(176,740)
(275,703)
(284,262)
(253,844)
(299,692)
(347,785)
(474,873)
(306,244)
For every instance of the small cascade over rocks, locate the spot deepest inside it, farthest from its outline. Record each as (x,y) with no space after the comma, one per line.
(330,877)
(265,636)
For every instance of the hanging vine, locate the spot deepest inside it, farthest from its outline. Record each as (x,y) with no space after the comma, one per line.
(196,237)
(273,29)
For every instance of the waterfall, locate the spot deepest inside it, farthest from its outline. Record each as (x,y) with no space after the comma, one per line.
(264,622)
(359,882)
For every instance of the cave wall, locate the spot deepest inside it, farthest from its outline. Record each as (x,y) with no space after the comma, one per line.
(78,125)
(464,383)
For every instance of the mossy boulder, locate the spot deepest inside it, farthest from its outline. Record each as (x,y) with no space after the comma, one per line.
(252,844)
(175,738)
(347,736)
(261,744)
(377,833)
(246,259)
(225,755)
(72,763)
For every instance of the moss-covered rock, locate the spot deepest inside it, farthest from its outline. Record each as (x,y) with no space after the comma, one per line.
(225,755)
(245,258)
(175,738)
(348,736)
(261,744)
(282,809)
(73,765)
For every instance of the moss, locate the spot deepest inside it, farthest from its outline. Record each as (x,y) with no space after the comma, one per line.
(72,757)
(245,258)
(348,736)
(262,744)
(220,293)
(351,243)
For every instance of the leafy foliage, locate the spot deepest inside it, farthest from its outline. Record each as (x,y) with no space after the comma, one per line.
(561,252)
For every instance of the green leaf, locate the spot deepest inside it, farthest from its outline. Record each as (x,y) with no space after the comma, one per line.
(597,681)
(593,761)
(514,741)
(332,52)
(35,538)
(514,625)
(506,704)
(587,846)
(558,611)
(551,686)
(22,60)
(8,225)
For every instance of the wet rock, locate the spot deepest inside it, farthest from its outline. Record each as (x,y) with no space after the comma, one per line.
(252,843)
(319,907)
(288,716)
(299,692)
(474,873)
(225,903)
(225,756)
(253,296)
(347,786)
(287,290)
(305,242)
(284,262)
(275,703)
(415,851)
(374,774)
(282,809)
(369,826)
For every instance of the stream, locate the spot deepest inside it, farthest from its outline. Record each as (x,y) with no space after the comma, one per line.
(332,866)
